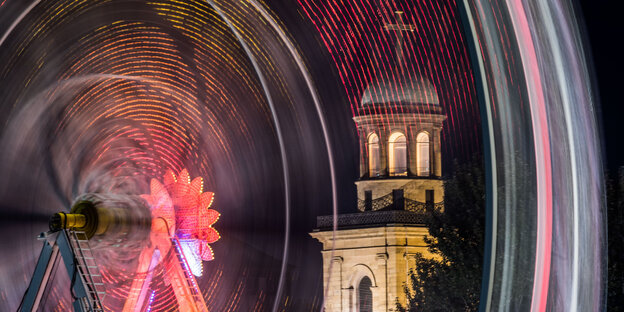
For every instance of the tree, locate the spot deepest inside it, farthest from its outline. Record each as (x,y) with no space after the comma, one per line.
(452,280)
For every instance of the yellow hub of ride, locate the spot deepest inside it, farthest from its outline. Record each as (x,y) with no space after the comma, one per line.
(85,217)
(63,220)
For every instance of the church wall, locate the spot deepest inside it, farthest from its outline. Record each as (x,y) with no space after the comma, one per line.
(411,151)
(414,189)
(363,155)
(382,253)
(437,153)
(408,125)
(413,132)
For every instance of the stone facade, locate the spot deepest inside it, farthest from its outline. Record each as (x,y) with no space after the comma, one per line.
(413,186)
(410,125)
(383,253)
(380,241)
(414,189)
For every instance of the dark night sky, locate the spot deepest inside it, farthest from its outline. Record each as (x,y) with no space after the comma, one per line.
(600,27)
(604,30)
(336,103)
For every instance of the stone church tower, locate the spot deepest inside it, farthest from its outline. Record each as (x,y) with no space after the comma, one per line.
(400,168)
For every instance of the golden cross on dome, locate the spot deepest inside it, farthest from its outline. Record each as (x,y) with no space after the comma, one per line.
(399,27)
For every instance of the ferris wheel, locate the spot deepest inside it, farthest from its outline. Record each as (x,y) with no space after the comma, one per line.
(179,230)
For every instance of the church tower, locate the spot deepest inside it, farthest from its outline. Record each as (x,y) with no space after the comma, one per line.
(366,261)
(400,156)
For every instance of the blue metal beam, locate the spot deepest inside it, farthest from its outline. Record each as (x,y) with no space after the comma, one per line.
(47,260)
(79,292)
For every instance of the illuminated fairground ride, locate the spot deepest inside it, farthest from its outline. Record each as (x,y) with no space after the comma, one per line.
(171,70)
(179,237)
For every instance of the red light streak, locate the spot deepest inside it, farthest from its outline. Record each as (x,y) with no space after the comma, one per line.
(363,52)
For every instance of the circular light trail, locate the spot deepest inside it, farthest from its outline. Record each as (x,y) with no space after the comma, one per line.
(106,96)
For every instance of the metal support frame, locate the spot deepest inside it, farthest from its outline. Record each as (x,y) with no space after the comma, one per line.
(187,293)
(45,264)
(87,283)
(83,275)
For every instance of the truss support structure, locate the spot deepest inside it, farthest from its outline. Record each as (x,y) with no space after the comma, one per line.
(73,249)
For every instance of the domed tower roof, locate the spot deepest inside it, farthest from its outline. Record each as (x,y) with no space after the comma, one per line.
(403,91)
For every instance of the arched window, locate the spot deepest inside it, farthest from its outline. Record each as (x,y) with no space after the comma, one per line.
(365,295)
(397,154)
(422,154)
(373,155)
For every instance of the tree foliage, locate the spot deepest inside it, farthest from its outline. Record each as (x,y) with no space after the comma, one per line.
(452,280)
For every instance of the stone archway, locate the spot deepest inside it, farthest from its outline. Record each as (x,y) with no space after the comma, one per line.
(361,275)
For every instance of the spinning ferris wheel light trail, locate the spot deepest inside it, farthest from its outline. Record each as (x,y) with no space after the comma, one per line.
(180,231)
(100,96)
